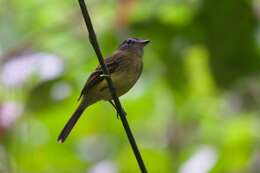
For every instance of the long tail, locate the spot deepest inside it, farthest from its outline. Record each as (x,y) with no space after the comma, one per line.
(71,123)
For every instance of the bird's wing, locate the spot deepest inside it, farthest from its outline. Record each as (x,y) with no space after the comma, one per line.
(96,77)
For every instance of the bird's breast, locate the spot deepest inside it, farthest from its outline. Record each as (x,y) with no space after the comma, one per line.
(127,75)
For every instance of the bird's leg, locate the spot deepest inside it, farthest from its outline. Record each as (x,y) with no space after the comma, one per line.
(112,103)
(117,113)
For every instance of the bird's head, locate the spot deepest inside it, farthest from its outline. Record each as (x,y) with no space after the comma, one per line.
(134,45)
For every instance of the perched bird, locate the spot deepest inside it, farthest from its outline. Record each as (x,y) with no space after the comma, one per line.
(125,67)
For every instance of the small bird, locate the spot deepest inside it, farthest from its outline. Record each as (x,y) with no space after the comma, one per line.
(125,67)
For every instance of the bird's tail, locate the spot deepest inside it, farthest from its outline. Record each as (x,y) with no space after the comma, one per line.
(71,123)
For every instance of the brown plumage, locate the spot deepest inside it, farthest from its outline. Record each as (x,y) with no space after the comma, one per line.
(125,67)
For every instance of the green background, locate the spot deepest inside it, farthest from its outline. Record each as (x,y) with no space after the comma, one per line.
(195,109)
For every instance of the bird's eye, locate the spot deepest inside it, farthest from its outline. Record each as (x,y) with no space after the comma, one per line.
(129,41)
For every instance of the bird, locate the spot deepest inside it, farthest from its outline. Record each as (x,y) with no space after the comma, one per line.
(125,66)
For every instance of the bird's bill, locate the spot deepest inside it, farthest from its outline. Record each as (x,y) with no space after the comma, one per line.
(144,42)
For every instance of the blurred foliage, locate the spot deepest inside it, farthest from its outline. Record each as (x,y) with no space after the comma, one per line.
(194,110)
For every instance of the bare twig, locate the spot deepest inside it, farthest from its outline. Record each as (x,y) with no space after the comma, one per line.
(119,108)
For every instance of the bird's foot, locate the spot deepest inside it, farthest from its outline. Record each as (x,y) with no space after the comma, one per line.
(124,112)
(118,114)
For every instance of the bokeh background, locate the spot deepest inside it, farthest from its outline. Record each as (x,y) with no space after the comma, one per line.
(196,108)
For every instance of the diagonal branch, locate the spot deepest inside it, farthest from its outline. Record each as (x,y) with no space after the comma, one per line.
(119,108)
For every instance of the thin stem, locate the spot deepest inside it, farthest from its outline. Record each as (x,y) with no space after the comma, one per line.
(119,108)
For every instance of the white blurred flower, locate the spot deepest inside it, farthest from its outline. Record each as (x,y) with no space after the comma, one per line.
(60,91)
(105,166)
(93,148)
(16,71)
(201,162)
(9,113)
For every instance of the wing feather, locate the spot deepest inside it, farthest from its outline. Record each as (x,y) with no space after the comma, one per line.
(96,77)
